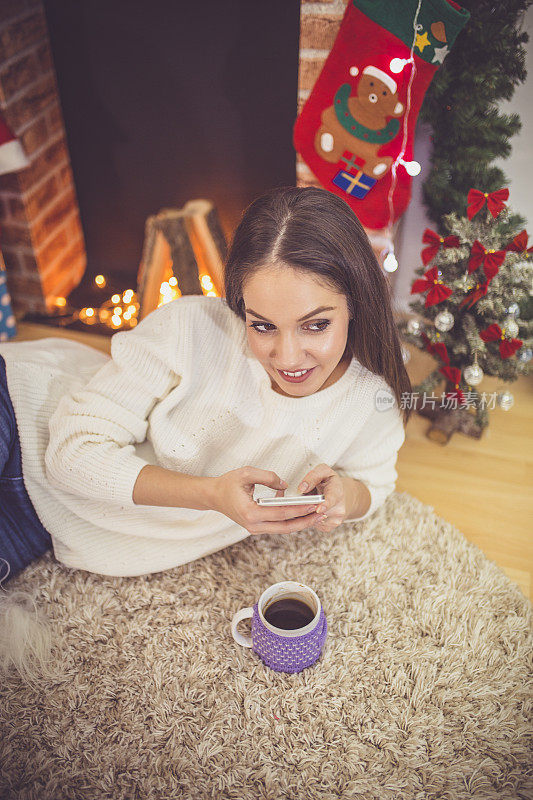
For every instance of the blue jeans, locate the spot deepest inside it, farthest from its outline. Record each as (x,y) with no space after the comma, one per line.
(22,535)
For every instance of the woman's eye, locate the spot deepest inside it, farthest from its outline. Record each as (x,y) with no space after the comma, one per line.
(314,327)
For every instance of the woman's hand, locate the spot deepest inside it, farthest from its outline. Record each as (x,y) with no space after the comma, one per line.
(327,482)
(233,496)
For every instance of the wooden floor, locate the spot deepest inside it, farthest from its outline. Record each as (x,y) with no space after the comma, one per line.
(482,486)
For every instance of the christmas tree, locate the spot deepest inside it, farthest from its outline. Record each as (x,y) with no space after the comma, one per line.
(484,67)
(474,278)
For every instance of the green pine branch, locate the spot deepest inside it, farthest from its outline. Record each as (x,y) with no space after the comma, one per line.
(484,66)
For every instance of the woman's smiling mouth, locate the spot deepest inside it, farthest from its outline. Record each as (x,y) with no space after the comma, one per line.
(298,378)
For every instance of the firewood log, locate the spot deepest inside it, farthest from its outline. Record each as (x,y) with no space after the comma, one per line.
(187,243)
(207,239)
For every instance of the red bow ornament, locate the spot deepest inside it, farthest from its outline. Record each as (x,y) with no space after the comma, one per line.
(437,348)
(454,375)
(519,243)
(437,290)
(476,200)
(491,260)
(508,347)
(478,291)
(435,242)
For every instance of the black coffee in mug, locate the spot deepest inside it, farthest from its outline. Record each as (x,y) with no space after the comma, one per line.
(289,613)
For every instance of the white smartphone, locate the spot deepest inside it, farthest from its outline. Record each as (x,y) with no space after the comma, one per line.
(297,500)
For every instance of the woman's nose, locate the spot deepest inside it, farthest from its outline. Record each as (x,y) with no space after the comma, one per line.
(288,351)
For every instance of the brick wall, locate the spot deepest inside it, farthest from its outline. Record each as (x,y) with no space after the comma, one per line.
(319,24)
(40,231)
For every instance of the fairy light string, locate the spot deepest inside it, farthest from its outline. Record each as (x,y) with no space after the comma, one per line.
(390,262)
(399,157)
(121,310)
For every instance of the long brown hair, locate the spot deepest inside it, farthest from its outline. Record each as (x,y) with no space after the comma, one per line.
(311,229)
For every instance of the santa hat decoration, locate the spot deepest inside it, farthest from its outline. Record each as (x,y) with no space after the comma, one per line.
(389,82)
(12,156)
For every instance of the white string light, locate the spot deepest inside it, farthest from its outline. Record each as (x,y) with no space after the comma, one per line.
(390,262)
(411,167)
(397,64)
(385,246)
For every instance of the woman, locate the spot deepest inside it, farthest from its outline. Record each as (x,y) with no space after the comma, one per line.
(154,457)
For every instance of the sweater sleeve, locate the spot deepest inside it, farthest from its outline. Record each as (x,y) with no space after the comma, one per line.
(92,431)
(371,458)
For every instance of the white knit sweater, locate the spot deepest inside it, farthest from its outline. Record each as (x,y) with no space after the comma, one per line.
(183,390)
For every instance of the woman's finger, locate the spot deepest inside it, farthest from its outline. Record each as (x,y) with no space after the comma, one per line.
(292,525)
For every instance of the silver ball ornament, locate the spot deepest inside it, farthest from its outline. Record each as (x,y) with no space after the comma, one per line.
(524,354)
(505,400)
(444,321)
(513,309)
(473,374)
(511,327)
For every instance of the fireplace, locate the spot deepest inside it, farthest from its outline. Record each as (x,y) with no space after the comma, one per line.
(60,276)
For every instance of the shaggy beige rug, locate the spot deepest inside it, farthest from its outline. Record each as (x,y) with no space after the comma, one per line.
(423,689)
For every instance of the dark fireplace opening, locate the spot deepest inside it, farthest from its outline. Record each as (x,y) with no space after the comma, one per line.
(164,103)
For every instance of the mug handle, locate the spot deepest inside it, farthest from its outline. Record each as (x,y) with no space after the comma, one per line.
(246,641)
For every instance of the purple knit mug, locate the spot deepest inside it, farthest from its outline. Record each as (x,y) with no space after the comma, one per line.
(280,649)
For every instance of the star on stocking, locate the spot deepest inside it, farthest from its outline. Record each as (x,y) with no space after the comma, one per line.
(421,40)
(440,54)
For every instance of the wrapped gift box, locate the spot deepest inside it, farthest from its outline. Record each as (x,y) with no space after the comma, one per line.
(8,327)
(356,185)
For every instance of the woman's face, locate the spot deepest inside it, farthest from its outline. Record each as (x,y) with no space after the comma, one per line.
(275,299)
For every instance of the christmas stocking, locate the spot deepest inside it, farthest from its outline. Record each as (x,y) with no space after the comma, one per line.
(355,131)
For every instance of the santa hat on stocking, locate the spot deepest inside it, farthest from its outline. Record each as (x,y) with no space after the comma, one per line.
(12,156)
